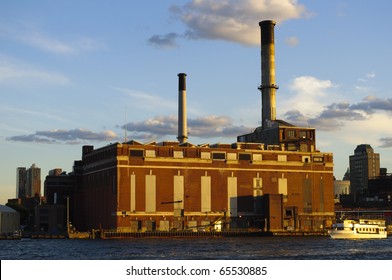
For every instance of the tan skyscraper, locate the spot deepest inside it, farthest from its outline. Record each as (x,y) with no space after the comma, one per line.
(28,181)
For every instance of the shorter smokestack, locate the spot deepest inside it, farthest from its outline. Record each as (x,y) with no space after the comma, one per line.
(182,123)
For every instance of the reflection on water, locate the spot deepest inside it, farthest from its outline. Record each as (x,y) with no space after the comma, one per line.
(273,248)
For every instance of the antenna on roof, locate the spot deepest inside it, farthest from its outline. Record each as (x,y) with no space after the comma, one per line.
(125,126)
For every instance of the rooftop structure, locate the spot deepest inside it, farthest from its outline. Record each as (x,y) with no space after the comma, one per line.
(273,131)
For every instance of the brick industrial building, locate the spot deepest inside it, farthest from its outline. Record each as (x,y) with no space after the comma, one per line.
(272,179)
(168,186)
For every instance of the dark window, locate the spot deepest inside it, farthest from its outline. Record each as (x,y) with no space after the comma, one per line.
(136,153)
(244,156)
(302,134)
(219,156)
(44,211)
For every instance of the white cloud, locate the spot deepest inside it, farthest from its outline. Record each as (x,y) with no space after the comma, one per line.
(363,83)
(314,103)
(369,131)
(292,41)
(371,75)
(29,34)
(27,113)
(232,20)
(17,72)
(45,43)
(147,101)
(310,95)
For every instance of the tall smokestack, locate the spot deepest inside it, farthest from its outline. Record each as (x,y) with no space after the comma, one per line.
(268,87)
(182,123)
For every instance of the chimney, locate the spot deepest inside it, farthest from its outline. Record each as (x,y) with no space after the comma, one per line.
(182,123)
(268,87)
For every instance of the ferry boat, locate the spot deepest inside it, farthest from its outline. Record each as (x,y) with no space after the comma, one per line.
(362,229)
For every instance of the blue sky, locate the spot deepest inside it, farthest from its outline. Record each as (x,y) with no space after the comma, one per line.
(72,73)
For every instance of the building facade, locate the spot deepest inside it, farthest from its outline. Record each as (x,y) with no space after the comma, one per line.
(364,165)
(167,186)
(21,181)
(58,186)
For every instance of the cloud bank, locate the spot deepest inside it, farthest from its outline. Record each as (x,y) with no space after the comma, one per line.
(204,127)
(310,105)
(72,136)
(229,20)
(335,115)
(311,95)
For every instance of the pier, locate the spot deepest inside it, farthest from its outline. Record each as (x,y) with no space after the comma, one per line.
(110,234)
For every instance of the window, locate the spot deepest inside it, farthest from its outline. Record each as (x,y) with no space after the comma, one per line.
(136,153)
(178,154)
(257,157)
(291,147)
(150,153)
(219,156)
(242,156)
(205,155)
(282,157)
(291,134)
(231,156)
(302,135)
(318,159)
(305,159)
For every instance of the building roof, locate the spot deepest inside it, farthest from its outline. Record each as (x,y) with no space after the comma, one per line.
(6,209)
(363,148)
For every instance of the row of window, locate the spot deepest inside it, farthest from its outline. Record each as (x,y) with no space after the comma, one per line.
(222,156)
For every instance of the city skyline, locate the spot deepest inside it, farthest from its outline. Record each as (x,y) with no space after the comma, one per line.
(74,74)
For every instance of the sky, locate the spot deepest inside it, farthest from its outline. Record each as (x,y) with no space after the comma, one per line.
(76,73)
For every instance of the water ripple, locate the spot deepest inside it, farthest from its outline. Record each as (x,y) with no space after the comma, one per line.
(273,248)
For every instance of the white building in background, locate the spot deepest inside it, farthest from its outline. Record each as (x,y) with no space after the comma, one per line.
(340,187)
(9,220)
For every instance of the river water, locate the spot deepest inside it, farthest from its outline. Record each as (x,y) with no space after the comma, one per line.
(222,248)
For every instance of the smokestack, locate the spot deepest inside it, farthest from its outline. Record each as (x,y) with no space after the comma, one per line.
(182,123)
(268,87)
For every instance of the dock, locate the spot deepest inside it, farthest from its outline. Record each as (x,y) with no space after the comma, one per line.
(111,234)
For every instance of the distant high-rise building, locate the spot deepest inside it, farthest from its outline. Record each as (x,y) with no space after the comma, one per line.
(28,181)
(346,176)
(34,181)
(21,178)
(364,165)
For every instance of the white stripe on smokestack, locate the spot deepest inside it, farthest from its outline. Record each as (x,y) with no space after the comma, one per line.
(268,87)
(182,122)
